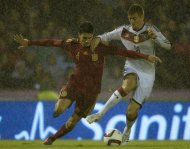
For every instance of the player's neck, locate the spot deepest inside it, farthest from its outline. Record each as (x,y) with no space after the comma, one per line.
(139,27)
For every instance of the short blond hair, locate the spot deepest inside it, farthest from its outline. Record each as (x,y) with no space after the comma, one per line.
(136,8)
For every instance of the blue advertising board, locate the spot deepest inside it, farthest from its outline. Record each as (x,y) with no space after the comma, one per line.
(160,120)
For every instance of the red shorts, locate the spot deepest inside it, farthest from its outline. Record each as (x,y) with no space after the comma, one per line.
(84,103)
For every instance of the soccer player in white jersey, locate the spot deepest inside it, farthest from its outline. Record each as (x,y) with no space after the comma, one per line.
(139,75)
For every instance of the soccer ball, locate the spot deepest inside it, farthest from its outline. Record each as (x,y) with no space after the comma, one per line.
(113,137)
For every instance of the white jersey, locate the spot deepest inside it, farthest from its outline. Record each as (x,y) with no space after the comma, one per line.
(139,41)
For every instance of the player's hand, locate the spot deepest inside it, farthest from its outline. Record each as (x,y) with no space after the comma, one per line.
(151,34)
(19,39)
(95,42)
(154,59)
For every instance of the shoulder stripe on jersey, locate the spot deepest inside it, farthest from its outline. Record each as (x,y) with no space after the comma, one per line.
(167,41)
(122,26)
(155,28)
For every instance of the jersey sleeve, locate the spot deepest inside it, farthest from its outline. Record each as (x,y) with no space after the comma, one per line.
(161,39)
(112,50)
(52,42)
(113,35)
(46,42)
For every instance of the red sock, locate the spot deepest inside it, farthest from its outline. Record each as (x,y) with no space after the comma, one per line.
(122,92)
(61,132)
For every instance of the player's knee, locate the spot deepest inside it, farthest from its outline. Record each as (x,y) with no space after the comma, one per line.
(126,89)
(129,85)
(61,106)
(58,110)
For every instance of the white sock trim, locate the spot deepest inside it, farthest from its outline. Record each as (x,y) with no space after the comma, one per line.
(117,95)
(112,101)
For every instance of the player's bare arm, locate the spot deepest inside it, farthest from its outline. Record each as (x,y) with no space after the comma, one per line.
(21,40)
(158,38)
(95,42)
(40,42)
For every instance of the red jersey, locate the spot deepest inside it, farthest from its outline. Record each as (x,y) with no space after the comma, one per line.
(88,72)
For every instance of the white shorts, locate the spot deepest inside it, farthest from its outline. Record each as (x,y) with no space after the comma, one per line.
(145,84)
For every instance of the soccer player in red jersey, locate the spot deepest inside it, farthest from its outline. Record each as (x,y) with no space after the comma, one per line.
(84,84)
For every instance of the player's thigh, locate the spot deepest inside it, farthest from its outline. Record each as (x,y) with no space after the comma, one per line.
(65,99)
(85,105)
(129,82)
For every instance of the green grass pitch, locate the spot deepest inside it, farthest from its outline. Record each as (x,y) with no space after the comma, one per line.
(87,144)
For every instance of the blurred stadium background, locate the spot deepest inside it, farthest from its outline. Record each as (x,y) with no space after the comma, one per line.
(39,72)
(23,73)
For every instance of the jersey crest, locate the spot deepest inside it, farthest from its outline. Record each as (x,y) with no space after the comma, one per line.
(94,57)
(133,37)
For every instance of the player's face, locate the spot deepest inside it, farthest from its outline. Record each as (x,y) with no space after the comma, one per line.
(136,21)
(85,39)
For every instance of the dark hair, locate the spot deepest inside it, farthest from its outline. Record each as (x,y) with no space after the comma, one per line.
(135,8)
(86,27)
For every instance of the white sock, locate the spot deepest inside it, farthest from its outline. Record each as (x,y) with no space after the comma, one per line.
(113,100)
(128,127)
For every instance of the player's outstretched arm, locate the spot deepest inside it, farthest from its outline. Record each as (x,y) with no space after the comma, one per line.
(154,59)
(159,38)
(96,41)
(22,41)
(41,42)
(112,50)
